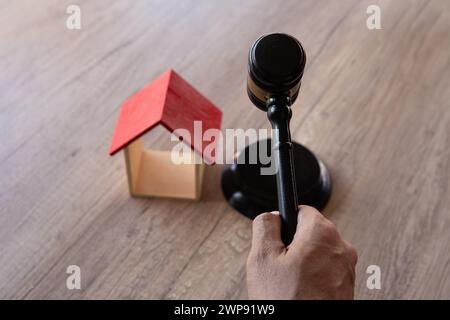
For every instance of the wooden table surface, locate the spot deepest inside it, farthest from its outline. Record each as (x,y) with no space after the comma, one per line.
(374,105)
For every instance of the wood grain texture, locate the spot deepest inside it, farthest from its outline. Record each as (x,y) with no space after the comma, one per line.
(374,106)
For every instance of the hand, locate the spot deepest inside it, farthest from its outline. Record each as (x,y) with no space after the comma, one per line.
(318,264)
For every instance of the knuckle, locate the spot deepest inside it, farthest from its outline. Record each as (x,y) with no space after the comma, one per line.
(329,229)
(328,225)
(264,218)
(312,212)
(352,253)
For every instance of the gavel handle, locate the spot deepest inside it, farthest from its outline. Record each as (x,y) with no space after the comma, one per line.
(279,115)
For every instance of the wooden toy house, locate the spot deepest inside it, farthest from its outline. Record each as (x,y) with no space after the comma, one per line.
(173,103)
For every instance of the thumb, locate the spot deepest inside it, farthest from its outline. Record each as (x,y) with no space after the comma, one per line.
(267,233)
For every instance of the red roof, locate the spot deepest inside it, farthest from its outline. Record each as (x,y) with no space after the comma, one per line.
(171,101)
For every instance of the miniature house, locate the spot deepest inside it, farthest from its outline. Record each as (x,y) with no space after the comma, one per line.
(173,103)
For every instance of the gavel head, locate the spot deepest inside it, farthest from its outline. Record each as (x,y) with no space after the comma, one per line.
(275,68)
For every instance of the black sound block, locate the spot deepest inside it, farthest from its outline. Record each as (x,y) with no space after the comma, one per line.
(251,193)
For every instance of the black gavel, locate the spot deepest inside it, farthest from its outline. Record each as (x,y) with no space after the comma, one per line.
(275,69)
